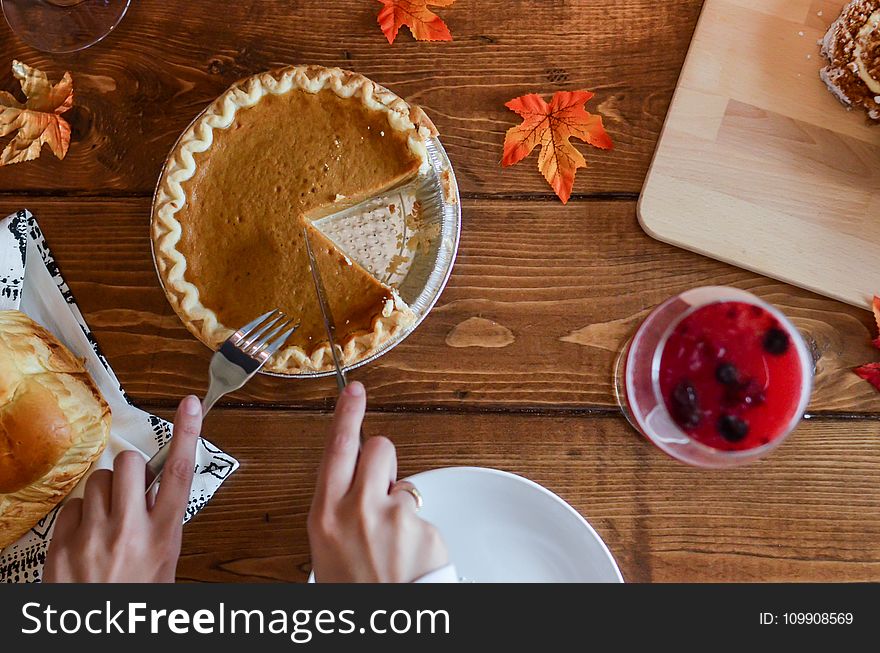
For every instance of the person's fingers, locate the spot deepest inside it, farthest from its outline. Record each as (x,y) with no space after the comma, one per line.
(377,468)
(66,524)
(129,474)
(177,475)
(97,495)
(151,497)
(401,494)
(340,457)
(68,521)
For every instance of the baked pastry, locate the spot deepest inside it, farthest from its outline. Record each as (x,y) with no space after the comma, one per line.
(53,423)
(852,47)
(269,156)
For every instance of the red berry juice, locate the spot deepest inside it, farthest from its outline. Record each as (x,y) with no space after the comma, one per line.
(730,376)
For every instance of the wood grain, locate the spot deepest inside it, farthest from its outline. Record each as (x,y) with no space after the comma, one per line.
(809,512)
(137,90)
(759,165)
(541,298)
(512,364)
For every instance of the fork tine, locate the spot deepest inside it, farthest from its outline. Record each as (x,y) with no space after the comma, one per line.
(279,342)
(256,338)
(255,345)
(250,326)
(266,340)
(270,338)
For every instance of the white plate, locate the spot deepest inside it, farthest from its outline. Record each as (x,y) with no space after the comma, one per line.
(501,527)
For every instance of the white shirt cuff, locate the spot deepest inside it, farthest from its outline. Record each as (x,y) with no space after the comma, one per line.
(445,574)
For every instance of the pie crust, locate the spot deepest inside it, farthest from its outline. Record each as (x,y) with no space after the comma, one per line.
(408,121)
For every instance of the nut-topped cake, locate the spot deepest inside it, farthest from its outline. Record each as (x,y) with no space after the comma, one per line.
(274,152)
(852,47)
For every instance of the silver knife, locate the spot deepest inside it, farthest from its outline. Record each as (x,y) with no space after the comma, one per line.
(329,324)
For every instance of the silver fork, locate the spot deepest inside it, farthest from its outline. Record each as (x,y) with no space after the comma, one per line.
(238,359)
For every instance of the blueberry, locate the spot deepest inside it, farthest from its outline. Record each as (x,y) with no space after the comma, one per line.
(747,394)
(732,428)
(686,405)
(752,394)
(727,374)
(776,341)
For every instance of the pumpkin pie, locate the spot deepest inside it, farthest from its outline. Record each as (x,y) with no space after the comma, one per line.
(269,156)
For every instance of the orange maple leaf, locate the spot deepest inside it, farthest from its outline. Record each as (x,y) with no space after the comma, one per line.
(551,126)
(871,371)
(38,121)
(424,24)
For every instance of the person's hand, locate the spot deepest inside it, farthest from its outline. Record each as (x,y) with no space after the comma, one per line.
(115,533)
(359,530)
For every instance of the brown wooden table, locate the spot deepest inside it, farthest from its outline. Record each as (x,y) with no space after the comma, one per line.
(512,369)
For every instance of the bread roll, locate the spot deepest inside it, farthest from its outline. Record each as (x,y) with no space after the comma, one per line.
(53,423)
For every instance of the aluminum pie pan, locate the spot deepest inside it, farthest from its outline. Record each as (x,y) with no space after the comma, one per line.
(438,196)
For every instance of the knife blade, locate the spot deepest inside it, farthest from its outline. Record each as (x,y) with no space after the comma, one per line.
(329,324)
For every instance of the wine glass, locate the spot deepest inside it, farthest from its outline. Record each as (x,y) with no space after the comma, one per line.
(63,25)
(765,383)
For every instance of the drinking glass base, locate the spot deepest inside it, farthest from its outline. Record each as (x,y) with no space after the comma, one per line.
(59,26)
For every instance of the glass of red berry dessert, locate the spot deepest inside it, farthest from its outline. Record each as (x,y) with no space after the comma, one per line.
(715,377)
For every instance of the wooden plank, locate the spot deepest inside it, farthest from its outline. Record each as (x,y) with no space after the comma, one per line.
(809,512)
(139,89)
(540,300)
(759,165)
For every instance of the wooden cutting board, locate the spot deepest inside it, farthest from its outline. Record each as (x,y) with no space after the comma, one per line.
(758,164)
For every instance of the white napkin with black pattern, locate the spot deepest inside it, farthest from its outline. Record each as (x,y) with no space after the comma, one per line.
(31,282)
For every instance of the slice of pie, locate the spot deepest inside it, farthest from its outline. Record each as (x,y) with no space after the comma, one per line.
(852,47)
(270,155)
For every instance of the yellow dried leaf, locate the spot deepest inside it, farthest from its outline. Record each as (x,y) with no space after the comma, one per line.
(38,121)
